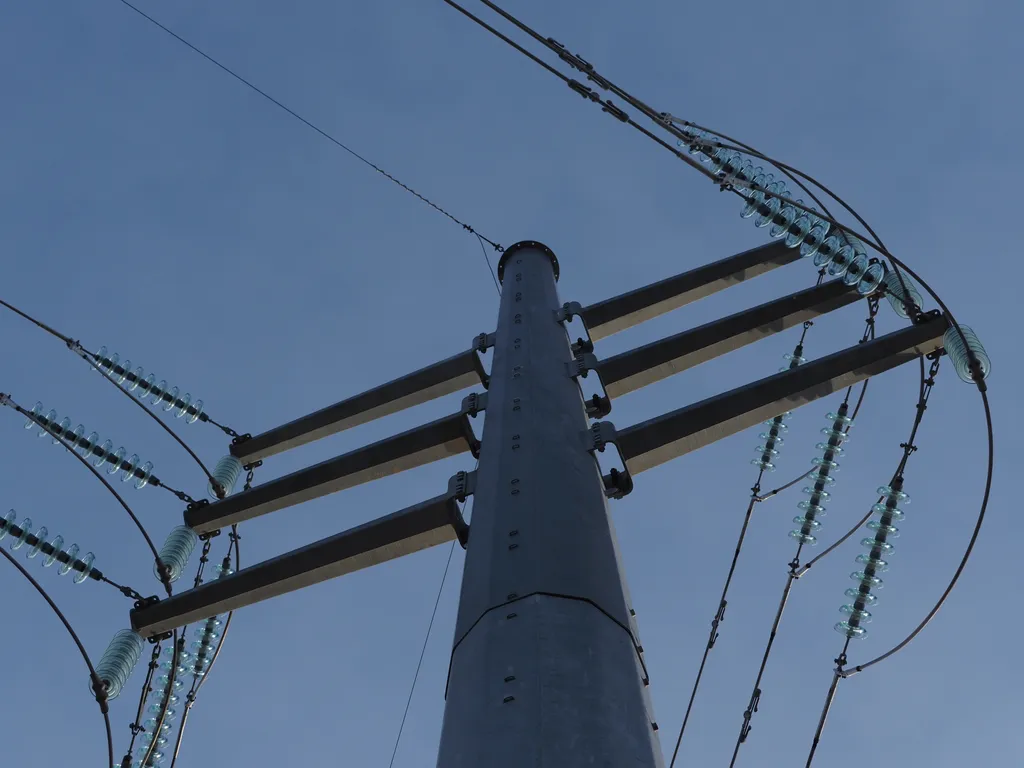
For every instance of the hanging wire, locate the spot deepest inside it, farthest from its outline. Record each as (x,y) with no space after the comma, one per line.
(755,497)
(423,650)
(497,247)
(841,672)
(794,564)
(199,682)
(490,269)
(96,683)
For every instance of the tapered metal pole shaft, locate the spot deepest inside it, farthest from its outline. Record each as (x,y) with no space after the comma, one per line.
(546,668)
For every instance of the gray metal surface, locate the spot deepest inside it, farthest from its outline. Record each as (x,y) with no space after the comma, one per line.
(544,614)
(666,437)
(409,530)
(628,309)
(653,362)
(451,375)
(431,442)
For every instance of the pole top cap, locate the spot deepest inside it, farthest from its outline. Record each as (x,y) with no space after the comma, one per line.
(522,244)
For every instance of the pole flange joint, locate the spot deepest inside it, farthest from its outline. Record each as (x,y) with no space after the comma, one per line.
(522,245)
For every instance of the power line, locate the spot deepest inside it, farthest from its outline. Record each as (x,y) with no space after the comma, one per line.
(423,651)
(337,142)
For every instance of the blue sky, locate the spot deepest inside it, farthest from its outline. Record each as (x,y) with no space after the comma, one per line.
(151,203)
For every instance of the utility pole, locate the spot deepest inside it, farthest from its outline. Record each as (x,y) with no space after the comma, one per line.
(546,666)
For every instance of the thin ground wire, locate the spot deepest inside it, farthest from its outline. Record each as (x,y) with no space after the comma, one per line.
(97,684)
(423,651)
(719,616)
(490,269)
(309,124)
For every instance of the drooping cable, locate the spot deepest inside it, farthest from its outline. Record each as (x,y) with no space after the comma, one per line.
(423,651)
(6,400)
(811,509)
(338,143)
(97,685)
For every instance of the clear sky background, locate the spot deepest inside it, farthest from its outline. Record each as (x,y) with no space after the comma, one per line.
(151,203)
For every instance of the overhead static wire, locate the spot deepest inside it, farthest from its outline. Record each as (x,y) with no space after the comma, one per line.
(309,124)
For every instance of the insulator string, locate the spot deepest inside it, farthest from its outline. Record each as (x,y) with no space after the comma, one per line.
(768,452)
(6,400)
(133,377)
(77,348)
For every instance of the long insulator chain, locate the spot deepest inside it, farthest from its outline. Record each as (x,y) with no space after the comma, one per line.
(89,446)
(208,635)
(772,439)
(823,477)
(879,548)
(53,551)
(162,709)
(136,382)
(873,561)
(842,254)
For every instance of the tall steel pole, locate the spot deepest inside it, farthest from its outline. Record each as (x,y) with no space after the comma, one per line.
(546,668)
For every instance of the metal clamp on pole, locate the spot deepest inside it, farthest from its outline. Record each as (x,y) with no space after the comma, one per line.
(600,405)
(568,311)
(460,486)
(617,483)
(483,342)
(473,403)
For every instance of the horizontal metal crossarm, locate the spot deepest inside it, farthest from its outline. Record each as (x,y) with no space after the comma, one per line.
(650,363)
(437,440)
(666,437)
(628,309)
(423,525)
(451,375)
